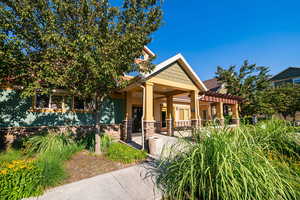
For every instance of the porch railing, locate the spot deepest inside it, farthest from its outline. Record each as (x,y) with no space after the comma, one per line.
(182,123)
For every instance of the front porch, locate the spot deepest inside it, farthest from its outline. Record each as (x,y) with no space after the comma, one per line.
(170,101)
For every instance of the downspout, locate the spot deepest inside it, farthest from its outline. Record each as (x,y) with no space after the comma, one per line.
(143,133)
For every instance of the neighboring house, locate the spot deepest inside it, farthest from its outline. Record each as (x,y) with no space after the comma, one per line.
(169,97)
(290,75)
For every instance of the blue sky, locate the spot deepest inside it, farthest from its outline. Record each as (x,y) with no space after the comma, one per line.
(226,32)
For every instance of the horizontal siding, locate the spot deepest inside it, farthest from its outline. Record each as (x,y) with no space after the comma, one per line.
(15,112)
(175,73)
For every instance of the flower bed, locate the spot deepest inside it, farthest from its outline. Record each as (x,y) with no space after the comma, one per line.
(20,179)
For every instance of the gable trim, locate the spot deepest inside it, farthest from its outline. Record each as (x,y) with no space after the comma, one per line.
(184,64)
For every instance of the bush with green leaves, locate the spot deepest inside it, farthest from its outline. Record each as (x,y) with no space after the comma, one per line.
(231,164)
(20,179)
(124,153)
(51,164)
(88,141)
(11,155)
(48,141)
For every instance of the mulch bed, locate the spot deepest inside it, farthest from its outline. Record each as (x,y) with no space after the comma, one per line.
(85,165)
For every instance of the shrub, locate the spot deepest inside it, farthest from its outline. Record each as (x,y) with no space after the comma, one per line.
(125,154)
(52,165)
(226,164)
(105,142)
(88,141)
(47,142)
(20,179)
(277,136)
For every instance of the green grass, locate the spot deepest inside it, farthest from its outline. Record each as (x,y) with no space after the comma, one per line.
(251,162)
(52,164)
(48,142)
(11,155)
(125,154)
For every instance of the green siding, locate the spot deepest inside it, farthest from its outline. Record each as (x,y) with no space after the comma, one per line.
(174,72)
(14,112)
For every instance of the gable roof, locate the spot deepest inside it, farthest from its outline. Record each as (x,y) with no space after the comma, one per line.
(290,72)
(212,84)
(148,51)
(181,60)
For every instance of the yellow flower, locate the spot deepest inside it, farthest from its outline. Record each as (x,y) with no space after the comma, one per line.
(4,171)
(10,166)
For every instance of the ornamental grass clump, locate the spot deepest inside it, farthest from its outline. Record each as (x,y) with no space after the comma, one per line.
(223,164)
(20,179)
(48,142)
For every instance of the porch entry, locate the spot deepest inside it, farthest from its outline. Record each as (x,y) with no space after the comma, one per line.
(137,113)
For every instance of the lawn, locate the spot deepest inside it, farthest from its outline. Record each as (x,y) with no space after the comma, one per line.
(51,159)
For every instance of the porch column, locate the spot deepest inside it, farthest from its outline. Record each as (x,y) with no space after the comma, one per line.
(220,115)
(149,123)
(170,116)
(195,117)
(235,114)
(209,114)
(127,123)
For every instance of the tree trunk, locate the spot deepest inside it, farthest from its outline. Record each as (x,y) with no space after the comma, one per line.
(97,128)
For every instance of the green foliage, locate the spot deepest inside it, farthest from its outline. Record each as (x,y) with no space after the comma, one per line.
(11,155)
(51,164)
(233,164)
(48,142)
(20,179)
(276,136)
(248,81)
(24,178)
(106,142)
(83,46)
(88,141)
(284,100)
(125,154)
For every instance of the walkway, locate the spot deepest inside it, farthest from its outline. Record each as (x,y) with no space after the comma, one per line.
(133,183)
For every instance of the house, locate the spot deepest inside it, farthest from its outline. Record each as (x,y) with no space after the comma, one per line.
(290,75)
(169,97)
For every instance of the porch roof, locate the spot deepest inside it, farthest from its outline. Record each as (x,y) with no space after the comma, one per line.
(210,96)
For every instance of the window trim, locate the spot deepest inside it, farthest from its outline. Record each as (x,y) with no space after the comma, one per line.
(63,108)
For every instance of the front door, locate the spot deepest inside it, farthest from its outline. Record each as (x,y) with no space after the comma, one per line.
(137,113)
(163,119)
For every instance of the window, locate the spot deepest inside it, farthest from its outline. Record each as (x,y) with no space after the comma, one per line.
(181,114)
(63,102)
(56,101)
(84,104)
(42,101)
(297,81)
(89,104)
(78,103)
(68,102)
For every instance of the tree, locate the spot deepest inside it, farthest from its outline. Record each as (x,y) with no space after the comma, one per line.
(83,46)
(249,81)
(284,100)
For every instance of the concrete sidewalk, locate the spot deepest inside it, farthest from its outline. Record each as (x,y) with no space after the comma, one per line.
(133,183)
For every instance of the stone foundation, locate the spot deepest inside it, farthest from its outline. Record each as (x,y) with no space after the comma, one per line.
(149,131)
(157,127)
(170,127)
(236,121)
(10,134)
